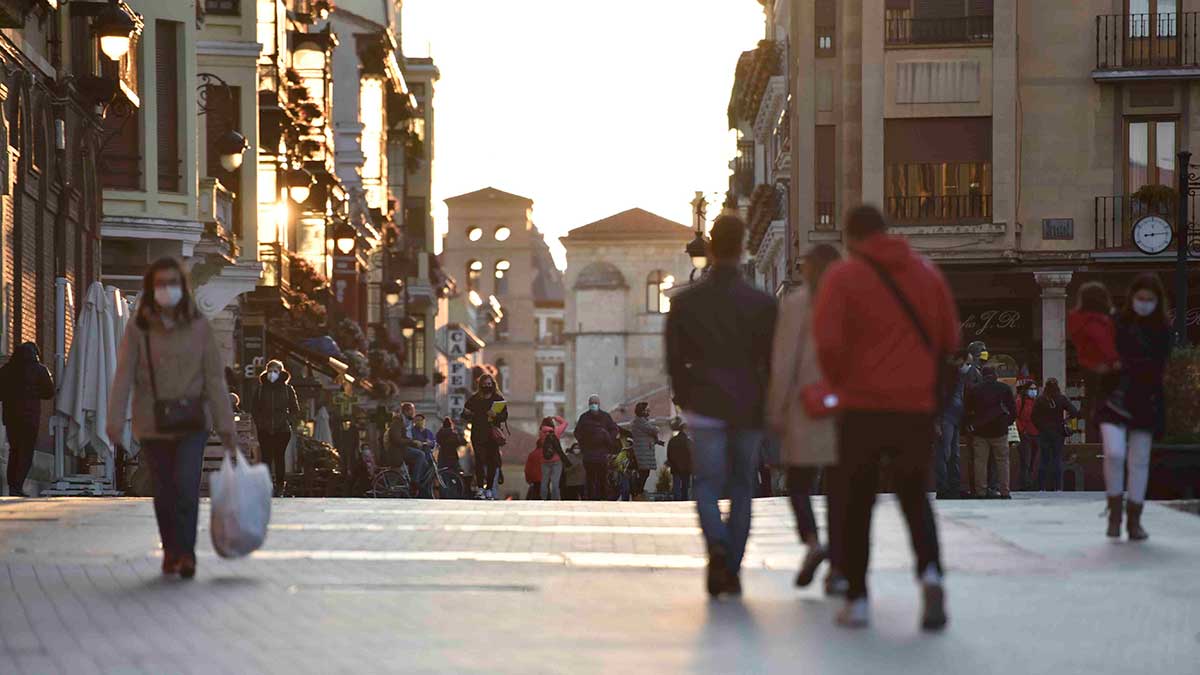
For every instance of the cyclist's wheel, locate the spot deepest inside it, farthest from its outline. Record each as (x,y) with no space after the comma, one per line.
(452,485)
(390,484)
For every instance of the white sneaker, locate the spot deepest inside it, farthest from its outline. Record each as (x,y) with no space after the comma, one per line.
(854,614)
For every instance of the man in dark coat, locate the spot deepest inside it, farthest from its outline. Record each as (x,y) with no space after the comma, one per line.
(679,460)
(719,337)
(24,384)
(275,412)
(990,409)
(596,433)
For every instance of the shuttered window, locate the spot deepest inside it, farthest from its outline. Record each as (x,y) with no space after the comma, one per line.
(938,169)
(826,176)
(825,18)
(166,67)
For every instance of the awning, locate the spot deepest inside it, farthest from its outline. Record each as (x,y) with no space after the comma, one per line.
(282,348)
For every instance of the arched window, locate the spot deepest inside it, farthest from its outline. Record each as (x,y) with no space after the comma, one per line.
(474,269)
(503,233)
(657,285)
(501,274)
(474,234)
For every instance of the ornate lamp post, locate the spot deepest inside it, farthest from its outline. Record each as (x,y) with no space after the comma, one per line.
(231,146)
(697,248)
(1187,243)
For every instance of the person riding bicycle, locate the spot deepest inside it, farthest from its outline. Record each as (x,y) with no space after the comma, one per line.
(402,437)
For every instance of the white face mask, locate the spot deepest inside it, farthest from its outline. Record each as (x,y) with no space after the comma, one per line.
(1144,307)
(273,376)
(168,296)
(1033,393)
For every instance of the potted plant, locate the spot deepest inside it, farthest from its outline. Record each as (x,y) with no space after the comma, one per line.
(1159,198)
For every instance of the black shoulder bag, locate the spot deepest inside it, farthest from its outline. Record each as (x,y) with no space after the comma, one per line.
(176,415)
(945,372)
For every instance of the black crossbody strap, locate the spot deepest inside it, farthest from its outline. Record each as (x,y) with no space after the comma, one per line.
(150,364)
(900,298)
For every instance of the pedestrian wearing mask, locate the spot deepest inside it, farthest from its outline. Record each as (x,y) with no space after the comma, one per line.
(644,433)
(487,413)
(1050,414)
(553,458)
(972,376)
(679,460)
(807,443)
(598,435)
(947,430)
(24,384)
(170,364)
(1027,395)
(991,410)
(1143,339)
(885,374)
(275,412)
(448,442)
(718,338)
(574,475)
(403,439)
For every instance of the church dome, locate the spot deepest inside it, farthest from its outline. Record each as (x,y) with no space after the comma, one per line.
(600,275)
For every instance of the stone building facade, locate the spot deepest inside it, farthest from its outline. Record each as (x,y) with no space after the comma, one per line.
(619,272)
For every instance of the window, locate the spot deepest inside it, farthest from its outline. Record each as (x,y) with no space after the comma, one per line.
(657,285)
(474,268)
(550,378)
(825,15)
(826,188)
(166,65)
(502,373)
(1153,19)
(503,233)
(414,355)
(374,175)
(501,274)
(938,169)
(1150,151)
(552,332)
(223,106)
(228,7)
(474,234)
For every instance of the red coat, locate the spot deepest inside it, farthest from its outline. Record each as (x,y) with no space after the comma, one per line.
(870,352)
(1095,338)
(1025,416)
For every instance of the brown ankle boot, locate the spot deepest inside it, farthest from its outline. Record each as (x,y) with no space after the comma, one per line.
(1136,533)
(1115,506)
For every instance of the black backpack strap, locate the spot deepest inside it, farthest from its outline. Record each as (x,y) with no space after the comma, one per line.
(902,300)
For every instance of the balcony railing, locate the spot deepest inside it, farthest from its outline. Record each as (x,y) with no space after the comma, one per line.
(825,217)
(1147,41)
(944,209)
(954,30)
(1115,217)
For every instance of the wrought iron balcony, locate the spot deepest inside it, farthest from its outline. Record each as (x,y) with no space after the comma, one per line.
(1147,42)
(1115,217)
(904,30)
(940,209)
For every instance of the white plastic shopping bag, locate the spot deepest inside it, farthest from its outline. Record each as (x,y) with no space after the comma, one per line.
(241,506)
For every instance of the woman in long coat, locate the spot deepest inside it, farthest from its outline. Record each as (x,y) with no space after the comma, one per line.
(806,443)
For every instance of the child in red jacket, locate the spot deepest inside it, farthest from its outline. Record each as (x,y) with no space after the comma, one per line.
(1094,334)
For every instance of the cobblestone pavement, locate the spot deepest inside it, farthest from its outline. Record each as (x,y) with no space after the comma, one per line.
(450,587)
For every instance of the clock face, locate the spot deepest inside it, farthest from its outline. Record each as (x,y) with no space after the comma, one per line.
(1152,235)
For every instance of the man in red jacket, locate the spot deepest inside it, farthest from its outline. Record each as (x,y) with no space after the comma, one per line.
(883,367)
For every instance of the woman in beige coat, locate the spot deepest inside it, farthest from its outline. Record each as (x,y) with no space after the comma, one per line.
(169,363)
(806,444)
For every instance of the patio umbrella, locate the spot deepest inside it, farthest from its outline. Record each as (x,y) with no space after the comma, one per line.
(119,312)
(321,430)
(87,377)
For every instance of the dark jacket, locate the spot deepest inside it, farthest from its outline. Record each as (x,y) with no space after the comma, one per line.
(1144,349)
(1048,415)
(476,411)
(719,336)
(991,408)
(597,435)
(24,384)
(276,407)
(679,453)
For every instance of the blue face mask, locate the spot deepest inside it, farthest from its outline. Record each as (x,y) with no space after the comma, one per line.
(594,407)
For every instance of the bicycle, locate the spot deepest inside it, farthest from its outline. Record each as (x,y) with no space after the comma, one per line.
(397,482)
(440,483)
(386,482)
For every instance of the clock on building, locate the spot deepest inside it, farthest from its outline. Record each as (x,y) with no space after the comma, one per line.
(1152,235)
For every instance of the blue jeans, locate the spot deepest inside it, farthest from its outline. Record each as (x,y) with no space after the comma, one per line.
(175,466)
(624,487)
(725,463)
(945,463)
(1050,471)
(681,486)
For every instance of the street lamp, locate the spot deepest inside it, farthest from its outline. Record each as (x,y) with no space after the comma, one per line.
(342,237)
(391,293)
(408,327)
(115,29)
(231,147)
(697,248)
(299,184)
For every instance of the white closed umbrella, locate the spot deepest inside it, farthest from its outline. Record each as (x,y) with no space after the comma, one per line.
(119,310)
(87,378)
(321,429)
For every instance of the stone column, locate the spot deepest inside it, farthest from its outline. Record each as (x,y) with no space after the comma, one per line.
(1054,324)
(1004,119)
(873,103)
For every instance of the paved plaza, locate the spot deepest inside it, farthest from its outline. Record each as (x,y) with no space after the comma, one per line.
(520,587)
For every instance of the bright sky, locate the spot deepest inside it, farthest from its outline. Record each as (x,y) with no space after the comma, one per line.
(588,108)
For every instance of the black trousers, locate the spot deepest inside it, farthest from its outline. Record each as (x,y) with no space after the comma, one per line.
(274,451)
(864,438)
(802,482)
(22,438)
(639,482)
(487,465)
(597,480)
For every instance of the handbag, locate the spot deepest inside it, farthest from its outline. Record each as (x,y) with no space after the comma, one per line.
(499,437)
(819,400)
(945,371)
(175,415)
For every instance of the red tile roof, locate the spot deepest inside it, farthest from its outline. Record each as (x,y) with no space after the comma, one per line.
(632,224)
